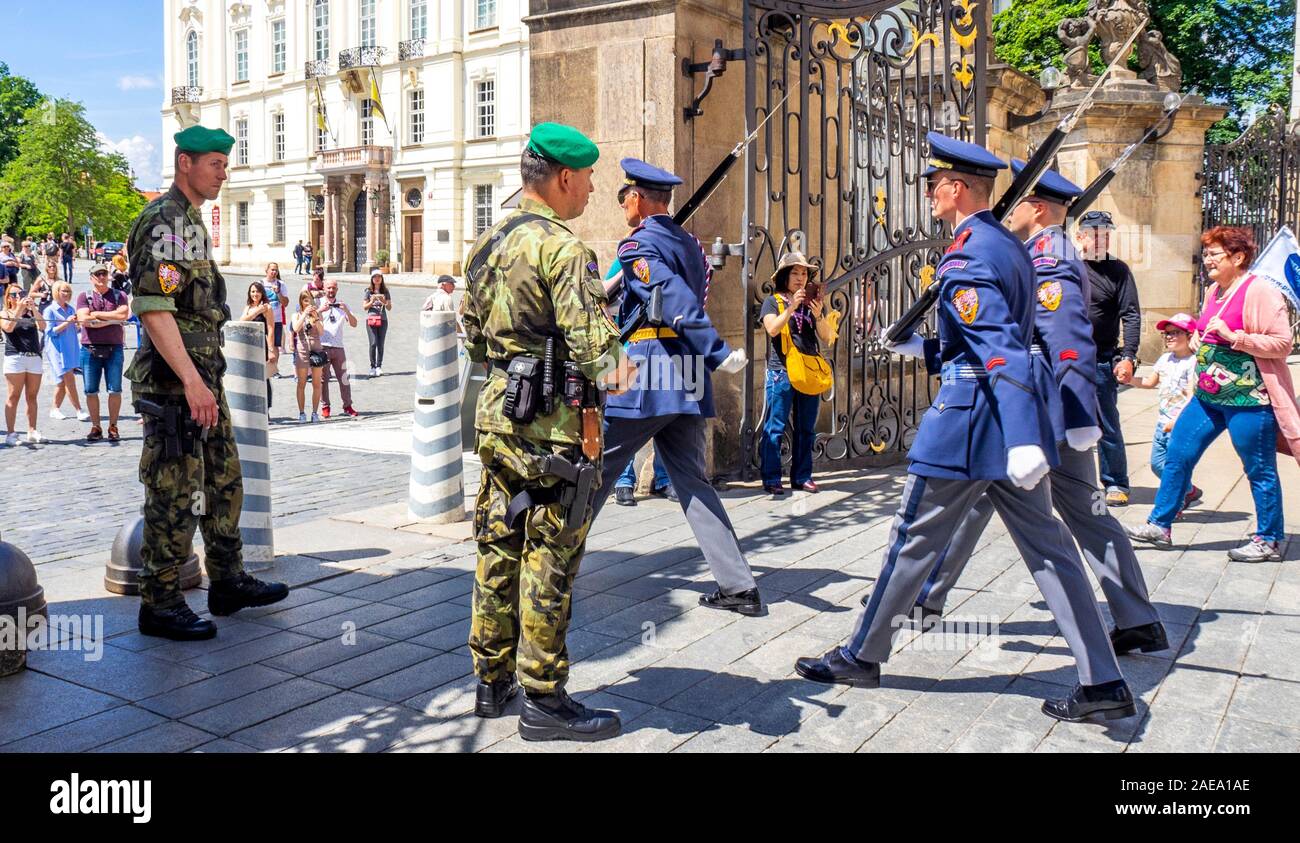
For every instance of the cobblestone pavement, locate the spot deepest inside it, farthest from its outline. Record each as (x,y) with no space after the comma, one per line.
(369,653)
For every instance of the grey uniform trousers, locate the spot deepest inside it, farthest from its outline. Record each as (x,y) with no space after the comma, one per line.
(679,442)
(930,511)
(1081,504)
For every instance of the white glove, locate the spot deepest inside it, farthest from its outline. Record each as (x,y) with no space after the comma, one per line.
(1082,438)
(735,361)
(913,346)
(1026,465)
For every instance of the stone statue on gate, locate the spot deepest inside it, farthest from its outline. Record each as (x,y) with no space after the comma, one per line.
(1111,23)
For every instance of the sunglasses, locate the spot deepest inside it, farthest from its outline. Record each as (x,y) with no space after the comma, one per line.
(99,275)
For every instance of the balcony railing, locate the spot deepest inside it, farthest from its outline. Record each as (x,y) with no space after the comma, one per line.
(186,93)
(412,49)
(361,57)
(317,67)
(354,158)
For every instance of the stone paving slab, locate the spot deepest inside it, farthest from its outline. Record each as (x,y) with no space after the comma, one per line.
(369,652)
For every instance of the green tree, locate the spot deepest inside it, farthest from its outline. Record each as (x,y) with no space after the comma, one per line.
(60,172)
(17,96)
(1234,52)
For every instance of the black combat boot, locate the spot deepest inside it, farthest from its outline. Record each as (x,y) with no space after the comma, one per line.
(837,667)
(179,623)
(491,698)
(624,496)
(559,717)
(1149,638)
(1112,700)
(746,602)
(225,597)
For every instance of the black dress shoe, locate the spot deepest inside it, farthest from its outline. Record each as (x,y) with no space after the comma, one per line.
(491,698)
(624,496)
(922,617)
(746,602)
(225,597)
(1112,700)
(559,717)
(1149,638)
(666,492)
(179,623)
(834,667)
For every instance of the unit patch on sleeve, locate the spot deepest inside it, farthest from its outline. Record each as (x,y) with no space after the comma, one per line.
(642,270)
(169,278)
(967,302)
(1049,294)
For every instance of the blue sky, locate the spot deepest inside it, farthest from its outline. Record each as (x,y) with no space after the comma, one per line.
(108,57)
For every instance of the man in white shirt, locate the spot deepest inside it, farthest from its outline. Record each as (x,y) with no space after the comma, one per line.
(334,315)
(442,298)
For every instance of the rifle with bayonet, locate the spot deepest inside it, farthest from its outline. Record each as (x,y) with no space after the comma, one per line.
(1039,163)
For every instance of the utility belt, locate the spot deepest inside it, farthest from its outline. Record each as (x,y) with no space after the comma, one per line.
(579,483)
(171,421)
(161,371)
(643,334)
(954,371)
(532,384)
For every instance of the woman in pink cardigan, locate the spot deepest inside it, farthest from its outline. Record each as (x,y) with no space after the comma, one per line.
(1242,386)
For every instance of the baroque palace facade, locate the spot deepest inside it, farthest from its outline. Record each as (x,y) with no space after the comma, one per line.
(361,126)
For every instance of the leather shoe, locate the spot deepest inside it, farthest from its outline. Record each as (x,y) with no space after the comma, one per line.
(746,602)
(922,617)
(776,491)
(1149,638)
(491,698)
(1112,700)
(809,487)
(242,591)
(179,623)
(836,667)
(559,717)
(624,496)
(665,492)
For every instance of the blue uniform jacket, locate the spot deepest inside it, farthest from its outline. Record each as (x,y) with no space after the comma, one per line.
(670,379)
(1064,327)
(993,395)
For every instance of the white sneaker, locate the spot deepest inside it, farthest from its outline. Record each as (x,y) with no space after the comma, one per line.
(379,373)
(315,417)
(11,439)
(34,437)
(83,415)
(302,418)
(57,414)
(372,371)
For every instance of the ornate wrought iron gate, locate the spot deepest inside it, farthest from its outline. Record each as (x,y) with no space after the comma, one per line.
(836,174)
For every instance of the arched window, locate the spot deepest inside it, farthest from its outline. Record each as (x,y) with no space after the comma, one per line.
(322,30)
(192,59)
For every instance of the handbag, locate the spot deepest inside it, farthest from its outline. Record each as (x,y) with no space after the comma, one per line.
(809,374)
(317,359)
(375,320)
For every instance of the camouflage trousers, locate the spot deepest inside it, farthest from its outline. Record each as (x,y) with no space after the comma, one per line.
(204,489)
(524,580)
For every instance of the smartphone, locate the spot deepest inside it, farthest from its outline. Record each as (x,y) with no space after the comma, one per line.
(813,290)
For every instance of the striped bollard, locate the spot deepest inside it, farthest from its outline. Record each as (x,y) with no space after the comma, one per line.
(245,387)
(437,492)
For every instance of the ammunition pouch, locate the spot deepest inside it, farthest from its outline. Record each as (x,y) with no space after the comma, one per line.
(579,483)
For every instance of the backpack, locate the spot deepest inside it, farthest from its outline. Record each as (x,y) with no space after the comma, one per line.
(809,373)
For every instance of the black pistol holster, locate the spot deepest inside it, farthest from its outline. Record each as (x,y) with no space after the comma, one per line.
(171,421)
(579,482)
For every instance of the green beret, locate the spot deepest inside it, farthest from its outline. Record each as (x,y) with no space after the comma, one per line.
(564,145)
(203,139)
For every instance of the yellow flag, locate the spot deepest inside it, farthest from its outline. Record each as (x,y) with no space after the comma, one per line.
(320,112)
(374,97)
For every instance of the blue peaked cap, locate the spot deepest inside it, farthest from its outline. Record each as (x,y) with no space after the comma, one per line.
(950,154)
(1053,186)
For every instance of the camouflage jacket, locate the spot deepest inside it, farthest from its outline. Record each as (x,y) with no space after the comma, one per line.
(540,281)
(171,270)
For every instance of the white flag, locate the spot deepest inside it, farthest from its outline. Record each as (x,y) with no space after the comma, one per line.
(1280,263)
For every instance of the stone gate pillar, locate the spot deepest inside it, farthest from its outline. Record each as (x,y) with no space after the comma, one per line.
(613,69)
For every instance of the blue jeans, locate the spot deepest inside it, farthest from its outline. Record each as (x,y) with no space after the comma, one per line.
(1111,459)
(1253,431)
(627,479)
(92,369)
(783,400)
(1159,449)
(67,269)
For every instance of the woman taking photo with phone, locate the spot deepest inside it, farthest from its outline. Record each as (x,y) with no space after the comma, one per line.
(259,309)
(308,355)
(377,304)
(23,325)
(795,319)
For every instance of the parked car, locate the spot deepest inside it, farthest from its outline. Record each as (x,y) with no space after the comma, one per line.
(109,249)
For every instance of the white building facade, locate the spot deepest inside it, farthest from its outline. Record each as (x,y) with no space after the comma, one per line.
(416,172)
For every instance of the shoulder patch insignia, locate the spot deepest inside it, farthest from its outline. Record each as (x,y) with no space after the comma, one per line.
(169,278)
(628,246)
(1041,244)
(955,263)
(1049,294)
(593,268)
(959,243)
(967,302)
(641,270)
(1046,260)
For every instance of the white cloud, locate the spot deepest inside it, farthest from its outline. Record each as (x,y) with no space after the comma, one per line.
(141,154)
(131,83)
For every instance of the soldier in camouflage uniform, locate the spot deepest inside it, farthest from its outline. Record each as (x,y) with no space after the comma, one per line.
(537,280)
(189,464)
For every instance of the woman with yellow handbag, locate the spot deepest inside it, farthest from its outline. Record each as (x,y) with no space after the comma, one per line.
(794,316)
